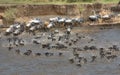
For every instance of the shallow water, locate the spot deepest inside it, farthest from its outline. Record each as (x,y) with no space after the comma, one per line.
(13,64)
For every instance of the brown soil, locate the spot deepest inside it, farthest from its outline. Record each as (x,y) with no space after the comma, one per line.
(52,9)
(35,10)
(26,12)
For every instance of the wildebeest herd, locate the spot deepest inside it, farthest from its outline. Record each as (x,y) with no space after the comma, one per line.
(37,24)
(64,41)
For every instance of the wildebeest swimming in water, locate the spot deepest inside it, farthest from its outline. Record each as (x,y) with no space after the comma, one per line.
(93,58)
(92,48)
(86,48)
(85,60)
(36,42)
(79,65)
(10,47)
(115,48)
(60,46)
(102,53)
(37,54)
(71,60)
(28,52)
(46,45)
(49,54)
(9,39)
(70,44)
(108,53)
(17,51)
(60,53)
(21,42)
(111,57)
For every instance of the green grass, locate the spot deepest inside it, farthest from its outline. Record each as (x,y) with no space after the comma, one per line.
(53,2)
(110,1)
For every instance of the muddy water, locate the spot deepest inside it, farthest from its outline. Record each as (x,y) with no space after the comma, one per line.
(14,64)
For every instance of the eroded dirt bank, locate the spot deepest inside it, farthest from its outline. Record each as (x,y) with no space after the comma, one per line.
(36,10)
(52,9)
(45,11)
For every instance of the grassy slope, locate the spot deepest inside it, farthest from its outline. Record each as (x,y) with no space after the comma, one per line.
(57,2)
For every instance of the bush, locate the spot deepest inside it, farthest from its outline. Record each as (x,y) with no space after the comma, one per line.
(10,15)
(97,5)
(70,1)
(87,0)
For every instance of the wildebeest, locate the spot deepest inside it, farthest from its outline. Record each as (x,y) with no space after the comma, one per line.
(10,30)
(107,17)
(48,54)
(92,48)
(50,25)
(34,24)
(10,47)
(77,21)
(85,60)
(16,29)
(86,47)
(61,22)
(60,53)
(111,57)
(37,54)
(94,17)
(71,60)
(36,42)
(22,42)
(115,48)
(60,46)
(28,52)
(93,58)
(17,51)
(19,28)
(46,45)
(102,53)
(68,22)
(79,65)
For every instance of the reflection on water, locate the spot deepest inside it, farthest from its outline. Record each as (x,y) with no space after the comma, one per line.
(13,64)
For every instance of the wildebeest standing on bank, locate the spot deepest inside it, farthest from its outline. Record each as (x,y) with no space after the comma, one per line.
(77,21)
(34,24)
(94,18)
